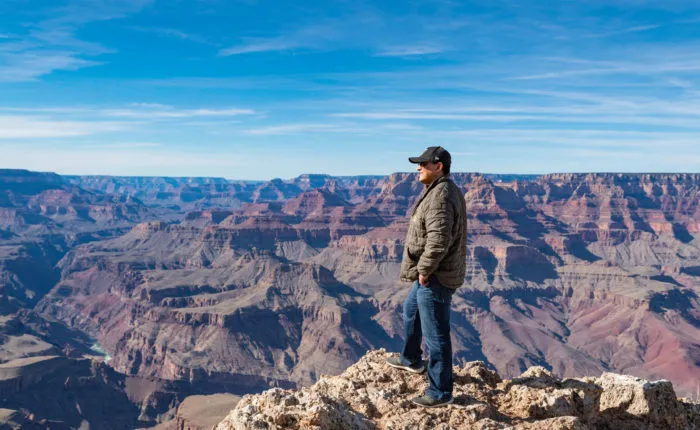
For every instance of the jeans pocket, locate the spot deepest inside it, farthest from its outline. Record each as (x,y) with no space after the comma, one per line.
(442,293)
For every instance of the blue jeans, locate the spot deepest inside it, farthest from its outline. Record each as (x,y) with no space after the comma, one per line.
(426,313)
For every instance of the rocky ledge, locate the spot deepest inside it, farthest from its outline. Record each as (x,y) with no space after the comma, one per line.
(372,395)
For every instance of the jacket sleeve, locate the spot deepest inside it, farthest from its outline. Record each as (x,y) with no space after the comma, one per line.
(439,219)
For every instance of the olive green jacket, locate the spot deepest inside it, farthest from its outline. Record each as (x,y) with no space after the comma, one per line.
(436,242)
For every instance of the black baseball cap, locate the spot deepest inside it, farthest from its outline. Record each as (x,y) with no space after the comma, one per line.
(433,154)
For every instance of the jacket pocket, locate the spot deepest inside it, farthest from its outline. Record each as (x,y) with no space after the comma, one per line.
(410,255)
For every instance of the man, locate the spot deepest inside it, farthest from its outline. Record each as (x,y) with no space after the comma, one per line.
(434,259)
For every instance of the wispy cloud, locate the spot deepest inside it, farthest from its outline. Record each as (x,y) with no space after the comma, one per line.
(117,160)
(632,69)
(52,44)
(690,121)
(368,30)
(635,29)
(123,145)
(23,127)
(681,83)
(174,113)
(592,119)
(56,122)
(29,65)
(287,129)
(251,46)
(142,111)
(434,116)
(600,139)
(173,33)
(151,105)
(410,50)
(314,36)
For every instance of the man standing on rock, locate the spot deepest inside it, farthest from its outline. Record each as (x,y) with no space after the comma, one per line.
(434,259)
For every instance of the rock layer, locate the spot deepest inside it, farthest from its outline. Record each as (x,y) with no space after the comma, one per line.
(274,283)
(579,273)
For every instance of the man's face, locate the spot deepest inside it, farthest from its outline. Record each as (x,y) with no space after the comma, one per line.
(429,171)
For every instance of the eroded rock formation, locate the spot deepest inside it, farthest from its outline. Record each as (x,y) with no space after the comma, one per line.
(580,273)
(372,395)
(199,285)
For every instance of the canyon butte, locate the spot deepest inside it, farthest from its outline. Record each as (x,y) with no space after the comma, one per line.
(142,300)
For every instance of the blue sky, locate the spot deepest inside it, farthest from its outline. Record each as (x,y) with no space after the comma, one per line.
(257,89)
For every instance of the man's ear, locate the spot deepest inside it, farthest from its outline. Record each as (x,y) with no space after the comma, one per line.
(442,166)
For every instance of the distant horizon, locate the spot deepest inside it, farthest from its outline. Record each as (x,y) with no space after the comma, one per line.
(347,176)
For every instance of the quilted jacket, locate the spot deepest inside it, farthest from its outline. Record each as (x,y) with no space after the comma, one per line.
(436,242)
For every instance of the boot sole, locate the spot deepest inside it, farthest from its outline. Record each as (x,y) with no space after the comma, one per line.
(409,369)
(449,402)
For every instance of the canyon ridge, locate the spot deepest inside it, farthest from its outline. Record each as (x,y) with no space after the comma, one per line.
(158,295)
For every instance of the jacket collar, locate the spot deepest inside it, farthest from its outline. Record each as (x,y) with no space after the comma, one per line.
(427,189)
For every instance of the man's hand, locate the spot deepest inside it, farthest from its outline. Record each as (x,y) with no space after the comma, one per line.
(423,280)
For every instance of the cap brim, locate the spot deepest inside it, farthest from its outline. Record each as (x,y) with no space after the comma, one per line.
(416,160)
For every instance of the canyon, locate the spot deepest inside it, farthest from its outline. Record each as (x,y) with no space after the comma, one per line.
(200,286)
